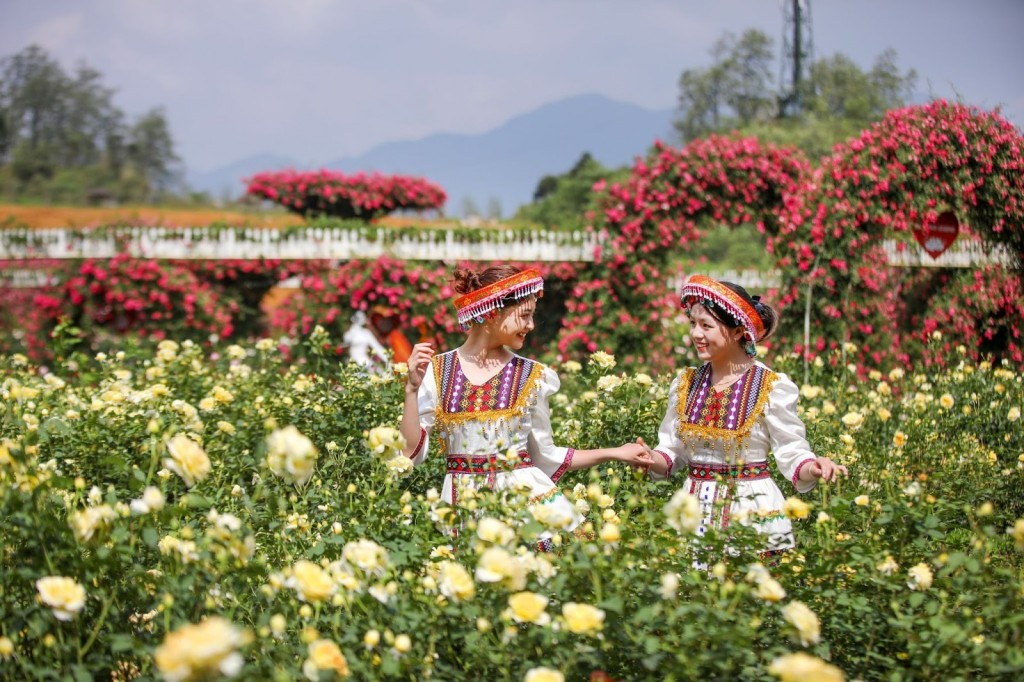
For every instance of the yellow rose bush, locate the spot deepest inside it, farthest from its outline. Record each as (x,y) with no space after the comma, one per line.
(181,513)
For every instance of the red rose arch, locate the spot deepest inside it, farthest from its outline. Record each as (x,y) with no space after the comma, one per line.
(902,174)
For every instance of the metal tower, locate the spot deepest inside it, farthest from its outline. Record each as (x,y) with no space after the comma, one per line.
(797,53)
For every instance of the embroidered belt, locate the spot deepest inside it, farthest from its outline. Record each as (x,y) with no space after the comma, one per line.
(486,464)
(709,472)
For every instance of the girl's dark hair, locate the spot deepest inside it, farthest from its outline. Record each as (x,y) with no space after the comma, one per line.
(769,316)
(465,280)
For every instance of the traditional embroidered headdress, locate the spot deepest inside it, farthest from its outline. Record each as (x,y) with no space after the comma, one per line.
(479,305)
(706,291)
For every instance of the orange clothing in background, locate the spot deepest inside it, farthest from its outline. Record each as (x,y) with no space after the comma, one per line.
(399,345)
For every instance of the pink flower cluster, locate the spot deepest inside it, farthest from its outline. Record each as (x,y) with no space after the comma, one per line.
(900,173)
(362,196)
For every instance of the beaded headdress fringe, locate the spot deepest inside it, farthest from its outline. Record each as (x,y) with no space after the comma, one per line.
(478,310)
(695,288)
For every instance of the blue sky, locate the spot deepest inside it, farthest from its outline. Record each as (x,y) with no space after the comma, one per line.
(316,79)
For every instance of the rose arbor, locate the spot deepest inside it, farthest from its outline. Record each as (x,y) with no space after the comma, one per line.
(901,174)
(360,196)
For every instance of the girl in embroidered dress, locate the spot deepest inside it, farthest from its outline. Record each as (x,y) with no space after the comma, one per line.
(724,418)
(484,400)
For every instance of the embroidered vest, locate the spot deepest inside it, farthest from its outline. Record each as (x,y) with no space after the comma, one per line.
(503,396)
(727,416)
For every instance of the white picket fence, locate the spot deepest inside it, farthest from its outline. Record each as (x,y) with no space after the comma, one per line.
(305,243)
(25,245)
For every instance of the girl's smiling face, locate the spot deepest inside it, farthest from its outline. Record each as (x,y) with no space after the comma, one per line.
(712,339)
(515,322)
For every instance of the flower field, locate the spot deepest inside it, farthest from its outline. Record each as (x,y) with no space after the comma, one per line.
(174,512)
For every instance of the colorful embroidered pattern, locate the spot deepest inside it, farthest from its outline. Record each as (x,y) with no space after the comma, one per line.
(476,305)
(485,464)
(503,395)
(727,415)
(699,288)
(746,472)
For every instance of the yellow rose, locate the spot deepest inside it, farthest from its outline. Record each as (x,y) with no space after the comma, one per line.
(552,516)
(1014,414)
(808,628)
(800,667)
(6,648)
(65,596)
(496,565)
(494,531)
(602,359)
(455,582)
(311,582)
(528,607)
(385,441)
(1017,533)
(366,555)
(399,465)
(795,508)
(919,577)
(683,512)
(609,383)
(187,459)
(204,649)
(582,619)
(87,523)
(290,455)
(853,420)
(324,655)
(543,675)
(610,533)
(862,500)
(403,643)
(947,401)
(770,590)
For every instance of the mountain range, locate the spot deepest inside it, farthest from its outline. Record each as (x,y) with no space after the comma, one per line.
(504,164)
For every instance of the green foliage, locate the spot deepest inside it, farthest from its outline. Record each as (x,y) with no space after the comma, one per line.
(936,481)
(62,139)
(562,201)
(838,98)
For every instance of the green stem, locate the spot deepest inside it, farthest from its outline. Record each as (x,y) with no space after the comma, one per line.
(95,631)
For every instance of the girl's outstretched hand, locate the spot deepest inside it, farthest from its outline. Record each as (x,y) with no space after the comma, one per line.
(825,469)
(418,362)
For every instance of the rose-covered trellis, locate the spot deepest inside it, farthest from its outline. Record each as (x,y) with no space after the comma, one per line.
(824,227)
(416,295)
(363,196)
(659,211)
(900,173)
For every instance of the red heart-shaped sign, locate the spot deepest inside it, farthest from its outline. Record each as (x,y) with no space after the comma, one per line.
(938,236)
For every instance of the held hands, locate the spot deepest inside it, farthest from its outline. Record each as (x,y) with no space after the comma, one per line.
(823,468)
(418,362)
(636,455)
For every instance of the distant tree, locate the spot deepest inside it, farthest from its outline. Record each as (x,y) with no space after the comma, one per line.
(560,201)
(469,208)
(62,137)
(494,208)
(736,93)
(150,150)
(735,90)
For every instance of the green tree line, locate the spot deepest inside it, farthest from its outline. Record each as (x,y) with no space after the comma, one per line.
(63,140)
